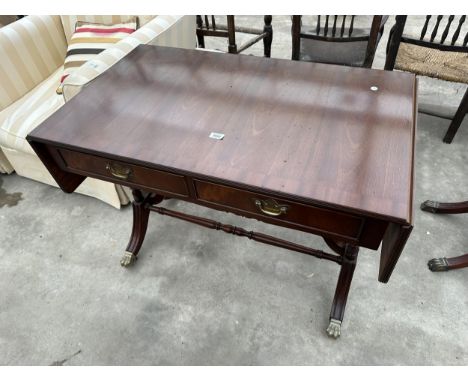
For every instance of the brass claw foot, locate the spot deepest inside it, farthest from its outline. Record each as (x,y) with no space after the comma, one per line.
(128,259)
(334,328)
(438,265)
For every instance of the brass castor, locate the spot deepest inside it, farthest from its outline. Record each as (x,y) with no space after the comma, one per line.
(438,265)
(334,328)
(128,259)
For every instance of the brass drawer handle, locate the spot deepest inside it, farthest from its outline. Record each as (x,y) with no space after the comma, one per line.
(118,170)
(271,207)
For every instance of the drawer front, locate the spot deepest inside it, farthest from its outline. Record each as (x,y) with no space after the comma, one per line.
(124,173)
(320,219)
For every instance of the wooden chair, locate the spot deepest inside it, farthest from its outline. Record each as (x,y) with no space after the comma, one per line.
(441,53)
(336,40)
(204,28)
(446,264)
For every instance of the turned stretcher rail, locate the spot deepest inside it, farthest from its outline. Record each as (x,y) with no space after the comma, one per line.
(256,236)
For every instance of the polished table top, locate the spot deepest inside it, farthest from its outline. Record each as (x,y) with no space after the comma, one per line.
(331,135)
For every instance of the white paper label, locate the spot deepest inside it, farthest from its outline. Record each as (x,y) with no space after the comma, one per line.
(217,136)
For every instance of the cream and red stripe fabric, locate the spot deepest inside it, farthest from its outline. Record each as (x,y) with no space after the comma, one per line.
(89,40)
(176,31)
(17,120)
(69,21)
(5,165)
(32,52)
(31,49)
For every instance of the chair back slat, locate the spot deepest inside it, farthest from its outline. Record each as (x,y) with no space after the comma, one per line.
(351,26)
(229,30)
(436,27)
(334,26)
(343,26)
(356,46)
(457,31)
(447,28)
(426,23)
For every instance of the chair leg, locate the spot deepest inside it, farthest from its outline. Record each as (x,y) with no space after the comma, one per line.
(232,47)
(201,40)
(443,264)
(457,119)
(268,30)
(200,36)
(444,208)
(296,37)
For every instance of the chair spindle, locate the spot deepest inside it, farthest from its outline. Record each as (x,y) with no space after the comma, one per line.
(334,26)
(426,23)
(343,26)
(447,28)
(213,22)
(325,31)
(318,25)
(206,22)
(199,21)
(457,31)
(465,41)
(351,26)
(436,27)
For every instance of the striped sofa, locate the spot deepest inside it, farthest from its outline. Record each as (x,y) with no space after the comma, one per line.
(32,52)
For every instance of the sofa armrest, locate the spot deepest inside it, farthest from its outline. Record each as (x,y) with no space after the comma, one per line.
(177,31)
(31,49)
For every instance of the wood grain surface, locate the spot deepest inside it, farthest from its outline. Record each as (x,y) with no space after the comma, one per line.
(315,132)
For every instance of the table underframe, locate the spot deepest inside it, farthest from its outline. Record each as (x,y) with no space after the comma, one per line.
(346,254)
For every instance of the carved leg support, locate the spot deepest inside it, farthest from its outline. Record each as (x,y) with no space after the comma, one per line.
(140,225)
(342,290)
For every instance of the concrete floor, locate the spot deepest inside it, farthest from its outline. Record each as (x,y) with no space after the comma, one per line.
(199,297)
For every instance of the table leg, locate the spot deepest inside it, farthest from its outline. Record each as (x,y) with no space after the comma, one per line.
(140,224)
(342,290)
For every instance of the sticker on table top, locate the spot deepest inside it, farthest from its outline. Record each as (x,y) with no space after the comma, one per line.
(217,136)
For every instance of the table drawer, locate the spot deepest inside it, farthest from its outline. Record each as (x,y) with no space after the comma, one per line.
(120,172)
(320,219)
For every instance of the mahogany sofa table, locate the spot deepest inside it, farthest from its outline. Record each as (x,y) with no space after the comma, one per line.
(318,148)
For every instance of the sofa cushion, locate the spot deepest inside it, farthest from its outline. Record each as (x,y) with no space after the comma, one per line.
(91,39)
(18,119)
(69,21)
(171,30)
